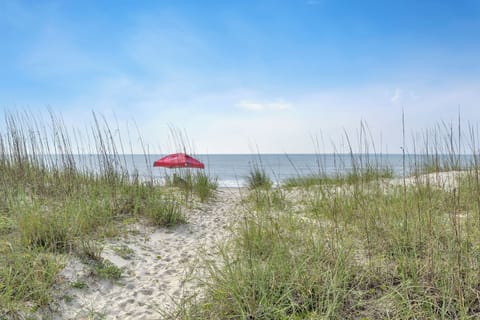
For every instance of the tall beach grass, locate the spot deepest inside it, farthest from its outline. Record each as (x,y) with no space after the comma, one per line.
(50,203)
(364,245)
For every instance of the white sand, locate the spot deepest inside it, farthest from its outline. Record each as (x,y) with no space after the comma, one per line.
(447,180)
(154,274)
(162,259)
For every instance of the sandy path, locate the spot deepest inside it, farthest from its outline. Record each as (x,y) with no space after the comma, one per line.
(154,274)
(161,260)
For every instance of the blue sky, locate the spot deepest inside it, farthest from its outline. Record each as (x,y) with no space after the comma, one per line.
(242,76)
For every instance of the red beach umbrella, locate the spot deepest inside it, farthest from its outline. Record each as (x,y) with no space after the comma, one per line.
(178,160)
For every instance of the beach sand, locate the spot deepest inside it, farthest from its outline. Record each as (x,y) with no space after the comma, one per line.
(163,265)
(160,266)
(447,180)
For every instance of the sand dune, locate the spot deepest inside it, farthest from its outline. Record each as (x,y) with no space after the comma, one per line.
(159,269)
(162,265)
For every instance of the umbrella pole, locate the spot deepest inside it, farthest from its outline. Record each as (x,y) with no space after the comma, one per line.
(188,182)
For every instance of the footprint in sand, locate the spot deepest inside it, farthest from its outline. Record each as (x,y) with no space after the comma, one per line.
(147,292)
(157,274)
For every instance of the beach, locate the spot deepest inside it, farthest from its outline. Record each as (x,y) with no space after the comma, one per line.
(164,269)
(163,266)
(239,160)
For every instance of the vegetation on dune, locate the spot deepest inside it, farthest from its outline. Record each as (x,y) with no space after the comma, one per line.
(352,245)
(49,205)
(353,177)
(353,248)
(196,183)
(258,178)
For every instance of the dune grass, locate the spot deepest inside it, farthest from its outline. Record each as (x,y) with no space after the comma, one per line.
(51,206)
(195,182)
(360,248)
(353,177)
(258,178)
(356,246)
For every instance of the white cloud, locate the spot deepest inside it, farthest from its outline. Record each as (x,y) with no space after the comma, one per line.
(216,128)
(397,96)
(264,105)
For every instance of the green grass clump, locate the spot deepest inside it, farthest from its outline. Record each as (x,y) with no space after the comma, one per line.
(49,230)
(368,174)
(353,177)
(309,181)
(277,268)
(90,250)
(91,253)
(164,212)
(124,251)
(198,183)
(6,225)
(204,186)
(258,179)
(26,275)
(178,180)
(266,200)
(105,269)
(79,284)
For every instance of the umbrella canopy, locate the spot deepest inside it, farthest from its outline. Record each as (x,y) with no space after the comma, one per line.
(178,160)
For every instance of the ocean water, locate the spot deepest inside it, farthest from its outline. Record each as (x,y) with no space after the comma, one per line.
(231,170)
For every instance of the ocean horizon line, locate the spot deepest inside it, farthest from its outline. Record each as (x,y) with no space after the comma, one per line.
(259,154)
